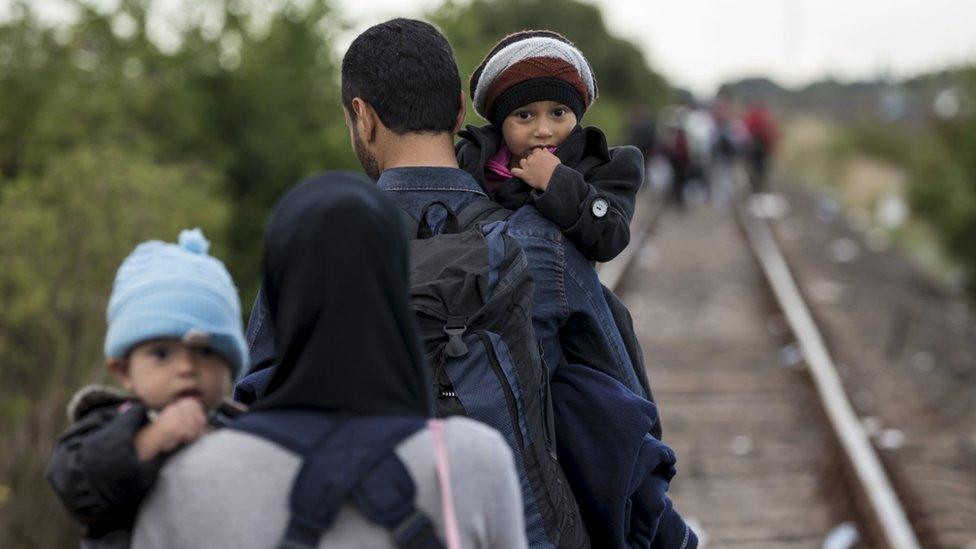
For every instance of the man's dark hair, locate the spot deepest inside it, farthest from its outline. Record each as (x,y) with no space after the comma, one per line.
(406,70)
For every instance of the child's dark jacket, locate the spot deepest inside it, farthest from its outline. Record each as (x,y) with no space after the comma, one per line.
(94,468)
(591,195)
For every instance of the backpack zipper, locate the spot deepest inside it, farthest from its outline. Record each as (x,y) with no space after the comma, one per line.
(506,388)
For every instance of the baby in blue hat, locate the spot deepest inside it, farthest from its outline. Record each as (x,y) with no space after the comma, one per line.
(175,341)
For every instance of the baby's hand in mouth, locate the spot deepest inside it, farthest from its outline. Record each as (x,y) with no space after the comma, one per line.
(180,422)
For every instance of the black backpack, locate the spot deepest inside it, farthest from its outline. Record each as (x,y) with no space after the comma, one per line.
(345,459)
(471,289)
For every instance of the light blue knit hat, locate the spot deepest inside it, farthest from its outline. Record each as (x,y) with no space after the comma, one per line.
(175,290)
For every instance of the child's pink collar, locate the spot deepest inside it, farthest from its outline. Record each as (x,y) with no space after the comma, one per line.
(497,165)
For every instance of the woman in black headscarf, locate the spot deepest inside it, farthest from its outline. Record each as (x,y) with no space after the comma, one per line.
(335,271)
(351,369)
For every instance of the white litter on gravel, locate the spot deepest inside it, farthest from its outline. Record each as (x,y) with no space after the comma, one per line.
(872,425)
(790,356)
(769,206)
(844,536)
(649,256)
(891,210)
(824,291)
(827,209)
(844,250)
(892,439)
(741,445)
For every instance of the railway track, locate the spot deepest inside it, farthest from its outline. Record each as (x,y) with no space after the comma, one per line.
(771,453)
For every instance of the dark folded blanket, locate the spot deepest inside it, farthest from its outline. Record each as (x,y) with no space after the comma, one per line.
(619,472)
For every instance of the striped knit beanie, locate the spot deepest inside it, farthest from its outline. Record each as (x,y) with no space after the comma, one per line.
(175,291)
(529,66)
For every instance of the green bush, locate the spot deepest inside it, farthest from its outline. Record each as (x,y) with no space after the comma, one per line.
(883,141)
(943,193)
(939,160)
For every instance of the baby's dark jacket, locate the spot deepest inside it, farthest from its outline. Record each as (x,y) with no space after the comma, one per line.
(94,469)
(589,171)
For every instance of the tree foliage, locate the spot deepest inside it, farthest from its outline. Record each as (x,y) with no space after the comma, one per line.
(121,125)
(106,140)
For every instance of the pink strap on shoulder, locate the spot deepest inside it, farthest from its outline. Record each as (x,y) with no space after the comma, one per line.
(443,464)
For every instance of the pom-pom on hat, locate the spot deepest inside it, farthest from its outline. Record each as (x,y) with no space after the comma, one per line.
(529,66)
(176,291)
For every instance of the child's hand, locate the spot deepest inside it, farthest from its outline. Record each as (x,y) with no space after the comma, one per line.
(179,423)
(536,168)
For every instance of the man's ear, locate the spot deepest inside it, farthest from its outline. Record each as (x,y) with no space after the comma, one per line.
(119,368)
(366,119)
(462,112)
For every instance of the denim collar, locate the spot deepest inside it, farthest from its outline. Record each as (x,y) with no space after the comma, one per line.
(428,179)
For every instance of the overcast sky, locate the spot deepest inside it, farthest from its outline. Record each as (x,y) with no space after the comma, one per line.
(701,43)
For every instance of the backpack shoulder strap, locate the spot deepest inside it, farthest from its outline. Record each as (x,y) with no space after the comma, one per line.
(385,496)
(298,431)
(410,222)
(481,209)
(346,459)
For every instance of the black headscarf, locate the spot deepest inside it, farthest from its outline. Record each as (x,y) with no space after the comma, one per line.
(336,275)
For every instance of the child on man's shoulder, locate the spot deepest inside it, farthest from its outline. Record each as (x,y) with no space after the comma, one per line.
(174,343)
(534,87)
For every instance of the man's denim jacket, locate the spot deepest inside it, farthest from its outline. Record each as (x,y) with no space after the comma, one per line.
(571,318)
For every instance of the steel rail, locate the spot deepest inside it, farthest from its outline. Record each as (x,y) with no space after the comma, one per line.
(888,517)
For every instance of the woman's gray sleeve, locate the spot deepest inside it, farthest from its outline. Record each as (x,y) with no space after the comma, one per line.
(506,521)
